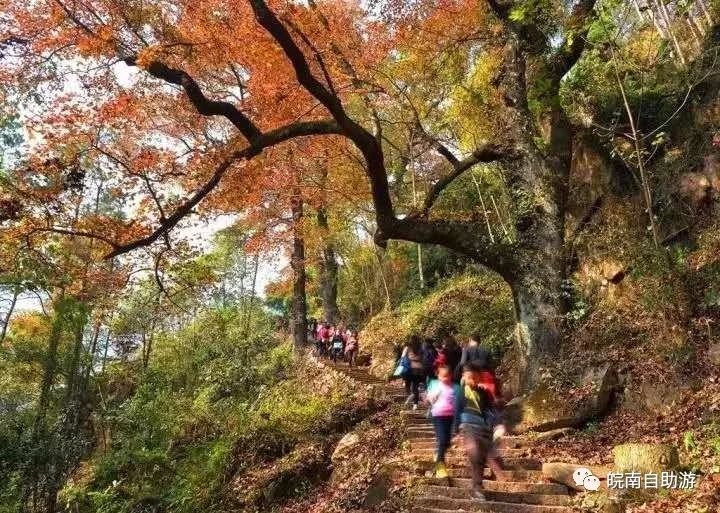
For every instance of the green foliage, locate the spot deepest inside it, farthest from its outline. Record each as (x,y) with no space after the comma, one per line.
(463,304)
(215,401)
(534,12)
(171,436)
(689,441)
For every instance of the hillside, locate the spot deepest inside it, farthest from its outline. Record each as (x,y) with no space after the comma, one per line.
(239,241)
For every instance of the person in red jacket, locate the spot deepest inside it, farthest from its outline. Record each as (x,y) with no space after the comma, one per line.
(487,380)
(323,339)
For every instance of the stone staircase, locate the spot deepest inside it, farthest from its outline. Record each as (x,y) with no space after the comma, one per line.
(520,488)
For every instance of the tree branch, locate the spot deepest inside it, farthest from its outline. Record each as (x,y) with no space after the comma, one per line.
(73,233)
(462,237)
(570,53)
(501,8)
(304,74)
(484,153)
(269,139)
(202,103)
(366,142)
(272,138)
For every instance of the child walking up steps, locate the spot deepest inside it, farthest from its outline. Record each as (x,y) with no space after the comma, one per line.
(442,395)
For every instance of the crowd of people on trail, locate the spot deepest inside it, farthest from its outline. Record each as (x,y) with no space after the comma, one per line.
(336,342)
(463,394)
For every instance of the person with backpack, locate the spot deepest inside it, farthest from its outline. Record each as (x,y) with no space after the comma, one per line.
(415,371)
(351,347)
(323,334)
(472,412)
(429,355)
(442,394)
(338,344)
(452,354)
(488,382)
(473,352)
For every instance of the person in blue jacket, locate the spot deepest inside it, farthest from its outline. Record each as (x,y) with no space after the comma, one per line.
(473,421)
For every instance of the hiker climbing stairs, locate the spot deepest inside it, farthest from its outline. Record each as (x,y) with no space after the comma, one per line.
(519,488)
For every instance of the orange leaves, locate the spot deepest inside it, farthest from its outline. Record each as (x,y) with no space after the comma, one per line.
(101,42)
(29,325)
(116,107)
(147,55)
(147,144)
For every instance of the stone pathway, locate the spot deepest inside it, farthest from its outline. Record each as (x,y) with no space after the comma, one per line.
(521,488)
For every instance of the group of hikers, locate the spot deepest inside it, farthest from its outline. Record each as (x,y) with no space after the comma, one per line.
(335,342)
(463,396)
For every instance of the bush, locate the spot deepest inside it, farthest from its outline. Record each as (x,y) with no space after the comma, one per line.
(201,416)
(463,304)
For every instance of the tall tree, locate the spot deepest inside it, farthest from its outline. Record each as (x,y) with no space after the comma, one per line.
(327,261)
(216,84)
(297,262)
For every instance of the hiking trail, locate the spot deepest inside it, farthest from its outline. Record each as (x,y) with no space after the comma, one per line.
(520,488)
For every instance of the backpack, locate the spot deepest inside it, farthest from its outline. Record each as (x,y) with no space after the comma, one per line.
(337,341)
(477,355)
(440,360)
(403,367)
(428,358)
(489,385)
(480,401)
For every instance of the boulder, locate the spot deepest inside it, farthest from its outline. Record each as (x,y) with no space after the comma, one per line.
(645,458)
(540,410)
(346,444)
(604,501)
(655,398)
(544,409)
(563,473)
(604,381)
(380,487)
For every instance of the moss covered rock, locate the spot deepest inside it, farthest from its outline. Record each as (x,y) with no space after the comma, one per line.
(541,410)
(546,409)
(645,458)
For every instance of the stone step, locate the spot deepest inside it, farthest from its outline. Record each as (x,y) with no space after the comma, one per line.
(420,412)
(429,452)
(358,372)
(421,433)
(503,486)
(413,420)
(506,442)
(433,504)
(523,476)
(460,461)
(497,496)
(365,379)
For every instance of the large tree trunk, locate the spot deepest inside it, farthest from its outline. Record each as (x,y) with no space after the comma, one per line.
(328,272)
(537,274)
(297,262)
(538,311)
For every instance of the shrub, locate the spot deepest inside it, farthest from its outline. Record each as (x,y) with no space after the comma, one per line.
(463,304)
